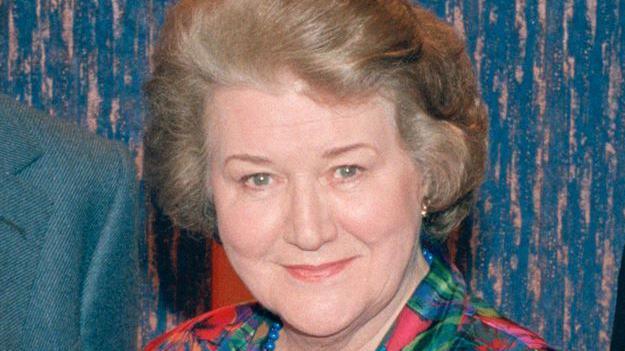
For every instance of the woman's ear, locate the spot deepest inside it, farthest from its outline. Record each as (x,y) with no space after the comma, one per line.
(424,186)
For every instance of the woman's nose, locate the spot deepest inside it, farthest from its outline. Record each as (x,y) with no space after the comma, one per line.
(312,224)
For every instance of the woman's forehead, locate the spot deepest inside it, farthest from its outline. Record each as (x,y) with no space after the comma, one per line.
(247,118)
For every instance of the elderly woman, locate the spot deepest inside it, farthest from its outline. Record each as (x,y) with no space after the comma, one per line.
(314,139)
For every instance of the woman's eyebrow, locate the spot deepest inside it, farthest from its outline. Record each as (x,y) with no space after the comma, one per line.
(343,149)
(327,154)
(247,158)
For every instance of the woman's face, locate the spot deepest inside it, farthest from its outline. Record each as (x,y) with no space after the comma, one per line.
(318,206)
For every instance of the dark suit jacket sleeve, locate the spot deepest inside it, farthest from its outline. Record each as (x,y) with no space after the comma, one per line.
(109,308)
(68,254)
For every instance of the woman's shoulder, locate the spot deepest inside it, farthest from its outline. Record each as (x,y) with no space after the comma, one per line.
(482,324)
(234,324)
(448,317)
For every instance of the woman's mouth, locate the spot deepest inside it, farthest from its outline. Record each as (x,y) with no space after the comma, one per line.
(315,273)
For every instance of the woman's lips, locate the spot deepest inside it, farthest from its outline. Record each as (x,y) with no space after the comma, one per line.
(314,273)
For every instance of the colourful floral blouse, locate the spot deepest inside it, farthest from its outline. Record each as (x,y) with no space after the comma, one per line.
(440,315)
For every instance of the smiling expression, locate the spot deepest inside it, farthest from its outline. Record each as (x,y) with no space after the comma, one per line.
(317,205)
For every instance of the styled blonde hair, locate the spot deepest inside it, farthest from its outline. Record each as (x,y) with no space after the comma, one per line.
(346,49)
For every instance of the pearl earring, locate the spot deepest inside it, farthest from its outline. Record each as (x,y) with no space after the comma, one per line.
(424,207)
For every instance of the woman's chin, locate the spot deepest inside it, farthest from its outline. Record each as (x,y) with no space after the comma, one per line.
(325,320)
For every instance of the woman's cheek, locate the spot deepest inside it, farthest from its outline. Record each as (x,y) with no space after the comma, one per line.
(362,215)
(378,211)
(249,226)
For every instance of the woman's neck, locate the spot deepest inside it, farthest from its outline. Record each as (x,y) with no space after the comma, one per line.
(367,336)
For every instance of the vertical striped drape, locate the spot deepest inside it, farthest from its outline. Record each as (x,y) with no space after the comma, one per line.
(545,241)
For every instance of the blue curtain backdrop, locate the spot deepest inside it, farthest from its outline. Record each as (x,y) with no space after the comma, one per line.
(545,241)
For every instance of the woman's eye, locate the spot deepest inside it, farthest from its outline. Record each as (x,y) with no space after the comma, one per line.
(344,172)
(257,180)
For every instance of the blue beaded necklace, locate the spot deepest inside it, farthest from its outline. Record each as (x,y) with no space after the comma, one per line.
(272,336)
